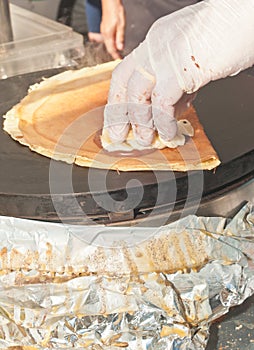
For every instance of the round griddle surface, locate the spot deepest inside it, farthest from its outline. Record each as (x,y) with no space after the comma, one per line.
(225,109)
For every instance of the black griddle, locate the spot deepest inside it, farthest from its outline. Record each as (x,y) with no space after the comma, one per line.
(224,107)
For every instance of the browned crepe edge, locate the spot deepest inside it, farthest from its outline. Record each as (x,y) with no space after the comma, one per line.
(207,159)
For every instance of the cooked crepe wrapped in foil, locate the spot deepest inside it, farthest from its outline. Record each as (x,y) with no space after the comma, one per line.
(99,287)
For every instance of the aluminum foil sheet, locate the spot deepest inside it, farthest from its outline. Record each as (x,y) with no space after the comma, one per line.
(112,288)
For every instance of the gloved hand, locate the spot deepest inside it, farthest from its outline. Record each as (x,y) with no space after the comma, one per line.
(181,53)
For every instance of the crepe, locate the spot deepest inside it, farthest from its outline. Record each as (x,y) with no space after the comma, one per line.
(184,128)
(62,118)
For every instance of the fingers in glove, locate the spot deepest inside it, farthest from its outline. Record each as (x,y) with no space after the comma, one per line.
(140,87)
(164,97)
(116,119)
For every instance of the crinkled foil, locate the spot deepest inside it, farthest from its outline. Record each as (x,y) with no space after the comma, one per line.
(112,288)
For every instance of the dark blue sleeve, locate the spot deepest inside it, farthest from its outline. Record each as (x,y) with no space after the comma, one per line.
(93,14)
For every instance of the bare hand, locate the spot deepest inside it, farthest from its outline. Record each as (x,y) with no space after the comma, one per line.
(113,26)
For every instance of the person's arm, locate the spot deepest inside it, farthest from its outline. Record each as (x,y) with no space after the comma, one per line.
(181,53)
(113,26)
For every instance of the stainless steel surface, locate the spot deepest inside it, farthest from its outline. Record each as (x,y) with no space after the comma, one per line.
(224,203)
(6,34)
(227,203)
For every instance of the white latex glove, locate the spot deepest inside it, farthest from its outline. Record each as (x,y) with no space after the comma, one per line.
(181,53)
